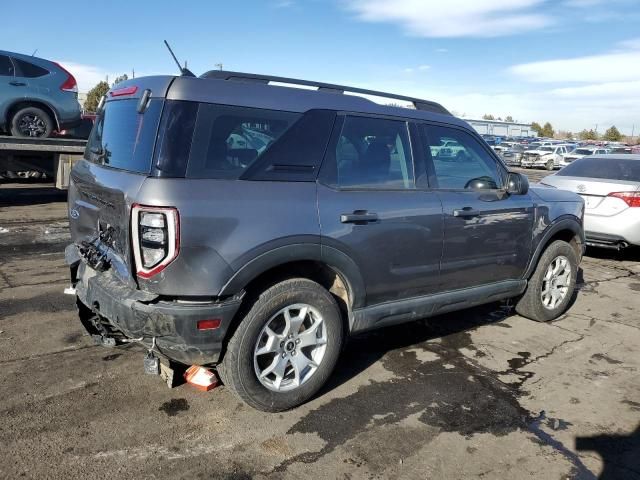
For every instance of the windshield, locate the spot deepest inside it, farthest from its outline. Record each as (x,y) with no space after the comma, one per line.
(583,151)
(546,149)
(604,168)
(122,138)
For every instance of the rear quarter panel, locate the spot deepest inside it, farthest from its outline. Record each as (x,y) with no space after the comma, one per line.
(225,224)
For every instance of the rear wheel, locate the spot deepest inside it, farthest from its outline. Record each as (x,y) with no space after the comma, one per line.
(286,346)
(552,284)
(31,122)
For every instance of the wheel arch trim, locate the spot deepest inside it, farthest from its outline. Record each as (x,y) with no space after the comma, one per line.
(563,223)
(338,261)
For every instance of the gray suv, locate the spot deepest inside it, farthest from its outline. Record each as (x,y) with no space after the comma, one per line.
(228,222)
(37,96)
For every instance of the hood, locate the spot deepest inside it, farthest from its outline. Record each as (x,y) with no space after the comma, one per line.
(538,152)
(550,194)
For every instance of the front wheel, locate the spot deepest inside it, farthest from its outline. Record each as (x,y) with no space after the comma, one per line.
(552,284)
(549,166)
(286,346)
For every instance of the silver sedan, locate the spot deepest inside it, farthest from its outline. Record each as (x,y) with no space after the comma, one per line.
(610,187)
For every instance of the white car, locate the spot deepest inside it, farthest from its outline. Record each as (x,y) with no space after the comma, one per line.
(548,157)
(610,187)
(581,152)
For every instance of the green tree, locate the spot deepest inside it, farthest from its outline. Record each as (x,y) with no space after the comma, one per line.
(119,79)
(94,96)
(488,116)
(547,130)
(612,134)
(588,134)
(509,118)
(535,126)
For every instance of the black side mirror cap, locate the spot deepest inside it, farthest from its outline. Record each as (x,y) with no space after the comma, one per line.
(517,184)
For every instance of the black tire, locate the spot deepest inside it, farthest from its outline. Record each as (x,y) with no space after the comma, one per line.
(530,305)
(31,122)
(237,368)
(550,165)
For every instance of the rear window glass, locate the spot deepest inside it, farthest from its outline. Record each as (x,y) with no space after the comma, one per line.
(228,140)
(122,138)
(605,168)
(29,70)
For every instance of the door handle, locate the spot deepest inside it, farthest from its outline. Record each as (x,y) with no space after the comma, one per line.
(17,84)
(466,212)
(359,216)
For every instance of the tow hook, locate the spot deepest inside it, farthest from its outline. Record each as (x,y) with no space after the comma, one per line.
(151,362)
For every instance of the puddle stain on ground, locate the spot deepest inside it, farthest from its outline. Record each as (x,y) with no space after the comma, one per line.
(466,399)
(174,406)
(111,357)
(602,356)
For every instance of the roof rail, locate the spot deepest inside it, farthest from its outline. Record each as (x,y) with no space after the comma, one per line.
(418,103)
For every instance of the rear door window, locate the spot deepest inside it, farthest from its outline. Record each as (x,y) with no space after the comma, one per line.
(373,153)
(29,70)
(124,139)
(6,67)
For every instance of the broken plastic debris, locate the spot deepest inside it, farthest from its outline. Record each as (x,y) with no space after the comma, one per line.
(4,230)
(201,378)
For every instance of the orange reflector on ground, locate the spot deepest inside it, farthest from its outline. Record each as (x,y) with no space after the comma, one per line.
(201,378)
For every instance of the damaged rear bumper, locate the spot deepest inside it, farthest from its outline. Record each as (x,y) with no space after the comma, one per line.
(142,315)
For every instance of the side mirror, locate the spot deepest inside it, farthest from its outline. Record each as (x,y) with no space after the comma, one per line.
(517,184)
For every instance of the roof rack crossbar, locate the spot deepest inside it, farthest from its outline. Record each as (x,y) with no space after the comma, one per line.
(418,103)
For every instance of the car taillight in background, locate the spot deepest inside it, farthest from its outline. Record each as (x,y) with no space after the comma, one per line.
(70,84)
(630,198)
(155,234)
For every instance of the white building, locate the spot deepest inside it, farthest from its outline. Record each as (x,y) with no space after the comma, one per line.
(501,129)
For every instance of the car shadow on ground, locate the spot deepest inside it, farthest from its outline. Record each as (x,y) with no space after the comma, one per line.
(620,453)
(629,254)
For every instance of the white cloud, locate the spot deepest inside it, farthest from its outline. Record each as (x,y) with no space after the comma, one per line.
(455,18)
(615,66)
(442,50)
(424,67)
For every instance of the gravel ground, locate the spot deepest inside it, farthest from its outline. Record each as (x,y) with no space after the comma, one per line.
(478,393)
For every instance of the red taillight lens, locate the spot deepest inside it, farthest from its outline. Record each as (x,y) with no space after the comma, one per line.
(70,84)
(630,198)
(155,235)
(211,324)
(120,92)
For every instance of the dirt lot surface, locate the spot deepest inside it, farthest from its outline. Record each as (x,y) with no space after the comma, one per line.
(481,393)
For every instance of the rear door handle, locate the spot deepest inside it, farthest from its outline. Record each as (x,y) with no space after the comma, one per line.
(17,84)
(466,212)
(359,216)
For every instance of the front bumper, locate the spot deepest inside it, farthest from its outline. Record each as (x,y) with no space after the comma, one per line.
(145,316)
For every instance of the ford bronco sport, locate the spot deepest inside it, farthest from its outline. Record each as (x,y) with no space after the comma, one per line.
(229,222)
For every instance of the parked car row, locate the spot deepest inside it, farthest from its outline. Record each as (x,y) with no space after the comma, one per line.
(554,154)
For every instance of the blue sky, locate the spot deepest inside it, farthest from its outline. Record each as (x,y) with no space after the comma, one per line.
(575,63)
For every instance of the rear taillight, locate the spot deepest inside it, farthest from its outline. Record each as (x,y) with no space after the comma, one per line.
(630,198)
(70,84)
(155,234)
